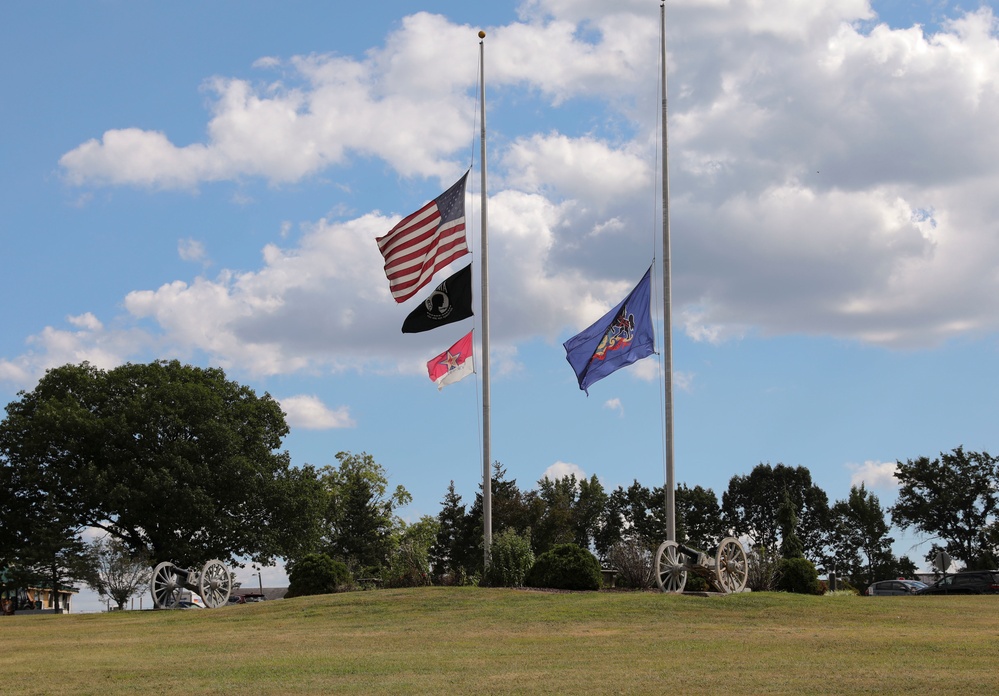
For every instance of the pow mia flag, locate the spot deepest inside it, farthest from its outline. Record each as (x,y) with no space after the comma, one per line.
(450,302)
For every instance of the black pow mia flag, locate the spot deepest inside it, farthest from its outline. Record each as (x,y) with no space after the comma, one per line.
(450,302)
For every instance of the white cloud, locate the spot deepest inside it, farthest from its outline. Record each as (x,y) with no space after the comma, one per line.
(829,176)
(684,381)
(191,250)
(86,321)
(874,474)
(615,405)
(561,470)
(309,412)
(321,109)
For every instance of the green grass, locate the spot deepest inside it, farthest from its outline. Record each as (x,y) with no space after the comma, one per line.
(465,640)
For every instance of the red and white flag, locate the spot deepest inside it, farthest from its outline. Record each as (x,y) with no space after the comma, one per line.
(424,242)
(453,364)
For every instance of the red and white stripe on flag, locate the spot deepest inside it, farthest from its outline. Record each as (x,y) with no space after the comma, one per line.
(425,242)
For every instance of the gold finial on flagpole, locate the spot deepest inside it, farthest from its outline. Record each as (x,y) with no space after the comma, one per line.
(482,34)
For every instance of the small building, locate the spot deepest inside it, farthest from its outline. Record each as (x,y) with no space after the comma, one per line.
(33,598)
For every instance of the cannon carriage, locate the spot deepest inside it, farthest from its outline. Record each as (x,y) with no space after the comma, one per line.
(213,583)
(725,569)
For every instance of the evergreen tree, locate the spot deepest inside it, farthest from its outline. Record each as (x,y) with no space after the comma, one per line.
(449,553)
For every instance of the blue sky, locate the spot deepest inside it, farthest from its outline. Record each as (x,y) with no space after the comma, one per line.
(204,181)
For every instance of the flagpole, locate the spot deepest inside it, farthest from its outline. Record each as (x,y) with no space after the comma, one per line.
(667,305)
(487,495)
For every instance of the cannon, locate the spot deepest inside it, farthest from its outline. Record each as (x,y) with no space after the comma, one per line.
(213,583)
(725,570)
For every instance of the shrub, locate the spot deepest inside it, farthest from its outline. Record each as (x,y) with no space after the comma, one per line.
(409,567)
(633,561)
(510,557)
(847,586)
(566,567)
(315,574)
(799,575)
(764,569)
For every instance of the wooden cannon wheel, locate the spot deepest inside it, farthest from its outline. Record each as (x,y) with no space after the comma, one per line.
(165,586)
(215,584)
(731,566)
(670,568)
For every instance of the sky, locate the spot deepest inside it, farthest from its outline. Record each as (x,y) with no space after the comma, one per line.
(205,182)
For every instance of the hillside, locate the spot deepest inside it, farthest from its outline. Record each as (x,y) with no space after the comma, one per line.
(464,640)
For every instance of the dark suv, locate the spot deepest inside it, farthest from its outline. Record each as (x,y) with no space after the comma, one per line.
(966,582)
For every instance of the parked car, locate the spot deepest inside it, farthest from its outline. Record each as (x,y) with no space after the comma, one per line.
(895,587)
(966,582)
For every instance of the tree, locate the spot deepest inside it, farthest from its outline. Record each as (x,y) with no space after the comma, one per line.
(751,502)
(175,461)
(510,510)
(451,553)
(954,498)
(787,521)
(409,564)
(566,510)
(41,544)
(860,541)
(359,524)
(698,516)
(633,514)
(121,573)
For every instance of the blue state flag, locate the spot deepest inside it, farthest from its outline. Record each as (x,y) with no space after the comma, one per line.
(619,338)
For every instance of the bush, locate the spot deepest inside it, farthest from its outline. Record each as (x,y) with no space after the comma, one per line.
(315,574)
(799,575)
(566,567)
(633,561)
(510,557)
(764,569)
(409,567)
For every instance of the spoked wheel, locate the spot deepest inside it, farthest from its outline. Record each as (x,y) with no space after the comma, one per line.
(671,571)
(731,566)
(215,584)
(165,586)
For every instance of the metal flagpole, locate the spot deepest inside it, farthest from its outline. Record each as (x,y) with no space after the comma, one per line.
(667,306)
(487,495)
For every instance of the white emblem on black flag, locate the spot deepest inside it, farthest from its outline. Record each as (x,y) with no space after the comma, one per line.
(451,301)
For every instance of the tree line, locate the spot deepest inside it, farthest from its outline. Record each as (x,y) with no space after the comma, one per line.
(170,462)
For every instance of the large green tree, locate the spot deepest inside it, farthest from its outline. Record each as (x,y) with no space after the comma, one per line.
(637,514)
(360,527)
(860,542)
(566,510)
(698,517)
(751,503)
(176,461)
(634,514)
(954,498)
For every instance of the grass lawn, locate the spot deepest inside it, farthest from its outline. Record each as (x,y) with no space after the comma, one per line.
(473,640)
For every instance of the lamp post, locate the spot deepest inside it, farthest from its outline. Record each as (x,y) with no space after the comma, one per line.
(260,581)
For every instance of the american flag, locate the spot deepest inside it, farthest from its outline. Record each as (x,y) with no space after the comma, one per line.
(424,242)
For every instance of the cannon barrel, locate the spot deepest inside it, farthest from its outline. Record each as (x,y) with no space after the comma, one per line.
(692,554)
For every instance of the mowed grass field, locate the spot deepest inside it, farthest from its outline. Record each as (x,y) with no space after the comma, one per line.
(497,641)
